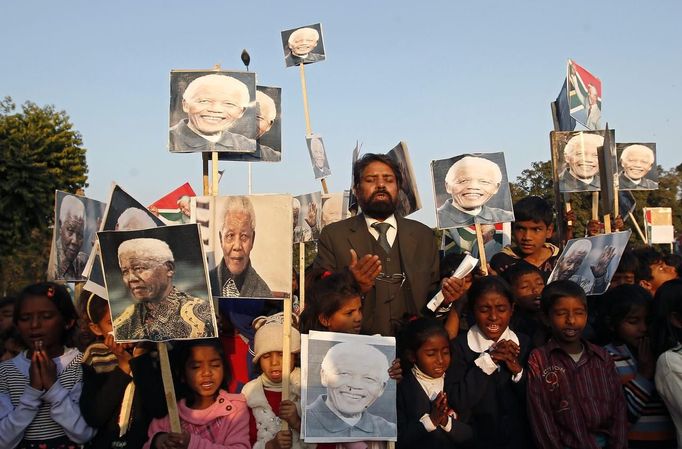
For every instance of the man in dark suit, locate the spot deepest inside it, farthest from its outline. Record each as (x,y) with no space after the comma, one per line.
(394,259)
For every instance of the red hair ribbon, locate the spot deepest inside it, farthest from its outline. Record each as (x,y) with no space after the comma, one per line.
(50,292)
(326,274)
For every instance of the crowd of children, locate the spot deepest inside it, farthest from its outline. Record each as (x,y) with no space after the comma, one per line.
(514,363)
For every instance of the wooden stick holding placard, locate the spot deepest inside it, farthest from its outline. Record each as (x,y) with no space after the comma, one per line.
(481,249)
(214,173)
(607,224)
(168,388)
(306,112)
(204,160)
(286,353)
(639,230)
(301,276)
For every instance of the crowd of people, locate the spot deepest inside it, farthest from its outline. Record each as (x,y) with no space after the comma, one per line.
(508,360)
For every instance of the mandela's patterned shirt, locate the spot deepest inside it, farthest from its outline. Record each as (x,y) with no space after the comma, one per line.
(179,315)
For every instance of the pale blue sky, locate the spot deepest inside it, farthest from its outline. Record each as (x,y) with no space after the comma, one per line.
(447,77)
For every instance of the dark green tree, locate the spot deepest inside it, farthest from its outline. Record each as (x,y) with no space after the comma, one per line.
(40,153)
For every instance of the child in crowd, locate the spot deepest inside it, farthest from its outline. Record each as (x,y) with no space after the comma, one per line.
(10,340)
(485,383)
(675,261)
(109,402)
(210,417)
(625,316)
(424,417)
(669,365)
(532,228)
(264,393)
(333,303)
(574,393)
(652,271)
(626,271)
(527,283)
(40,387)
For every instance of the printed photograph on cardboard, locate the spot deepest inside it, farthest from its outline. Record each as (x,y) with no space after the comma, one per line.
(334,364)
(303,45)
(174,207)
(591,261)
(658,225)
(408,197)
(637,166)
(76,222)
(575,159)
(460,240)
(471,188)
(307,212)
(212,110)
(335,207)
(608,174)
(251,245)
(318,156)
(157,284)
(269,137)
(584,96)
(123,213)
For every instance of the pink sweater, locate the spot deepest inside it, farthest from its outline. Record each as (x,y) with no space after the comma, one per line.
(224,425)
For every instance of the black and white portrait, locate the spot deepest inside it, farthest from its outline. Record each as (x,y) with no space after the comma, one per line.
(334,207)
(213,111)
(347,394)
(575,159)
(408,196)
(157,284)
(269,137)
(250,244)
(306,210)
(76,223)
(637,166)
(318,156)
(591,261)
(303,45)
(123,213)
(471,188)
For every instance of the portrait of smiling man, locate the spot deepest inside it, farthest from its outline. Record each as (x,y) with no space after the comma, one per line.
(354,376)
(160,310)
(636,161)
(217,113)
(303,45)
(581,158)
(472,181)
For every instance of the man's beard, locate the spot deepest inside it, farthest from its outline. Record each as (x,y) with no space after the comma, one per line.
(377,209)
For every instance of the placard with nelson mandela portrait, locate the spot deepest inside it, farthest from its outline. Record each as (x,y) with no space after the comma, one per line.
(637,166)
(157,284)
(591,261)
(212,110)
(471,188)
(575,159)
(303,45)
(347,375)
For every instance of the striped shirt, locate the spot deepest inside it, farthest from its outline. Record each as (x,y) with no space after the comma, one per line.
(575,404)
(32,414)
(649,419)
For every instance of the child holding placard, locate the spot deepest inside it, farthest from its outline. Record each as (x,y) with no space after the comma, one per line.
(209,415)
(110,401)
(264,394)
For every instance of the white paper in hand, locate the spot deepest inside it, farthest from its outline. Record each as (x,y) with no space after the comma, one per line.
(464,268)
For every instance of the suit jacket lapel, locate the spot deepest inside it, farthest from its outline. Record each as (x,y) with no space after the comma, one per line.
(408,245)
(359,237)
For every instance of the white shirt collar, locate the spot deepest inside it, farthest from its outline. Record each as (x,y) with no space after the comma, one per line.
(478,342)
(390,220)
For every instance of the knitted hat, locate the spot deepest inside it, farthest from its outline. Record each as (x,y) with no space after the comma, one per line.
(269,335)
